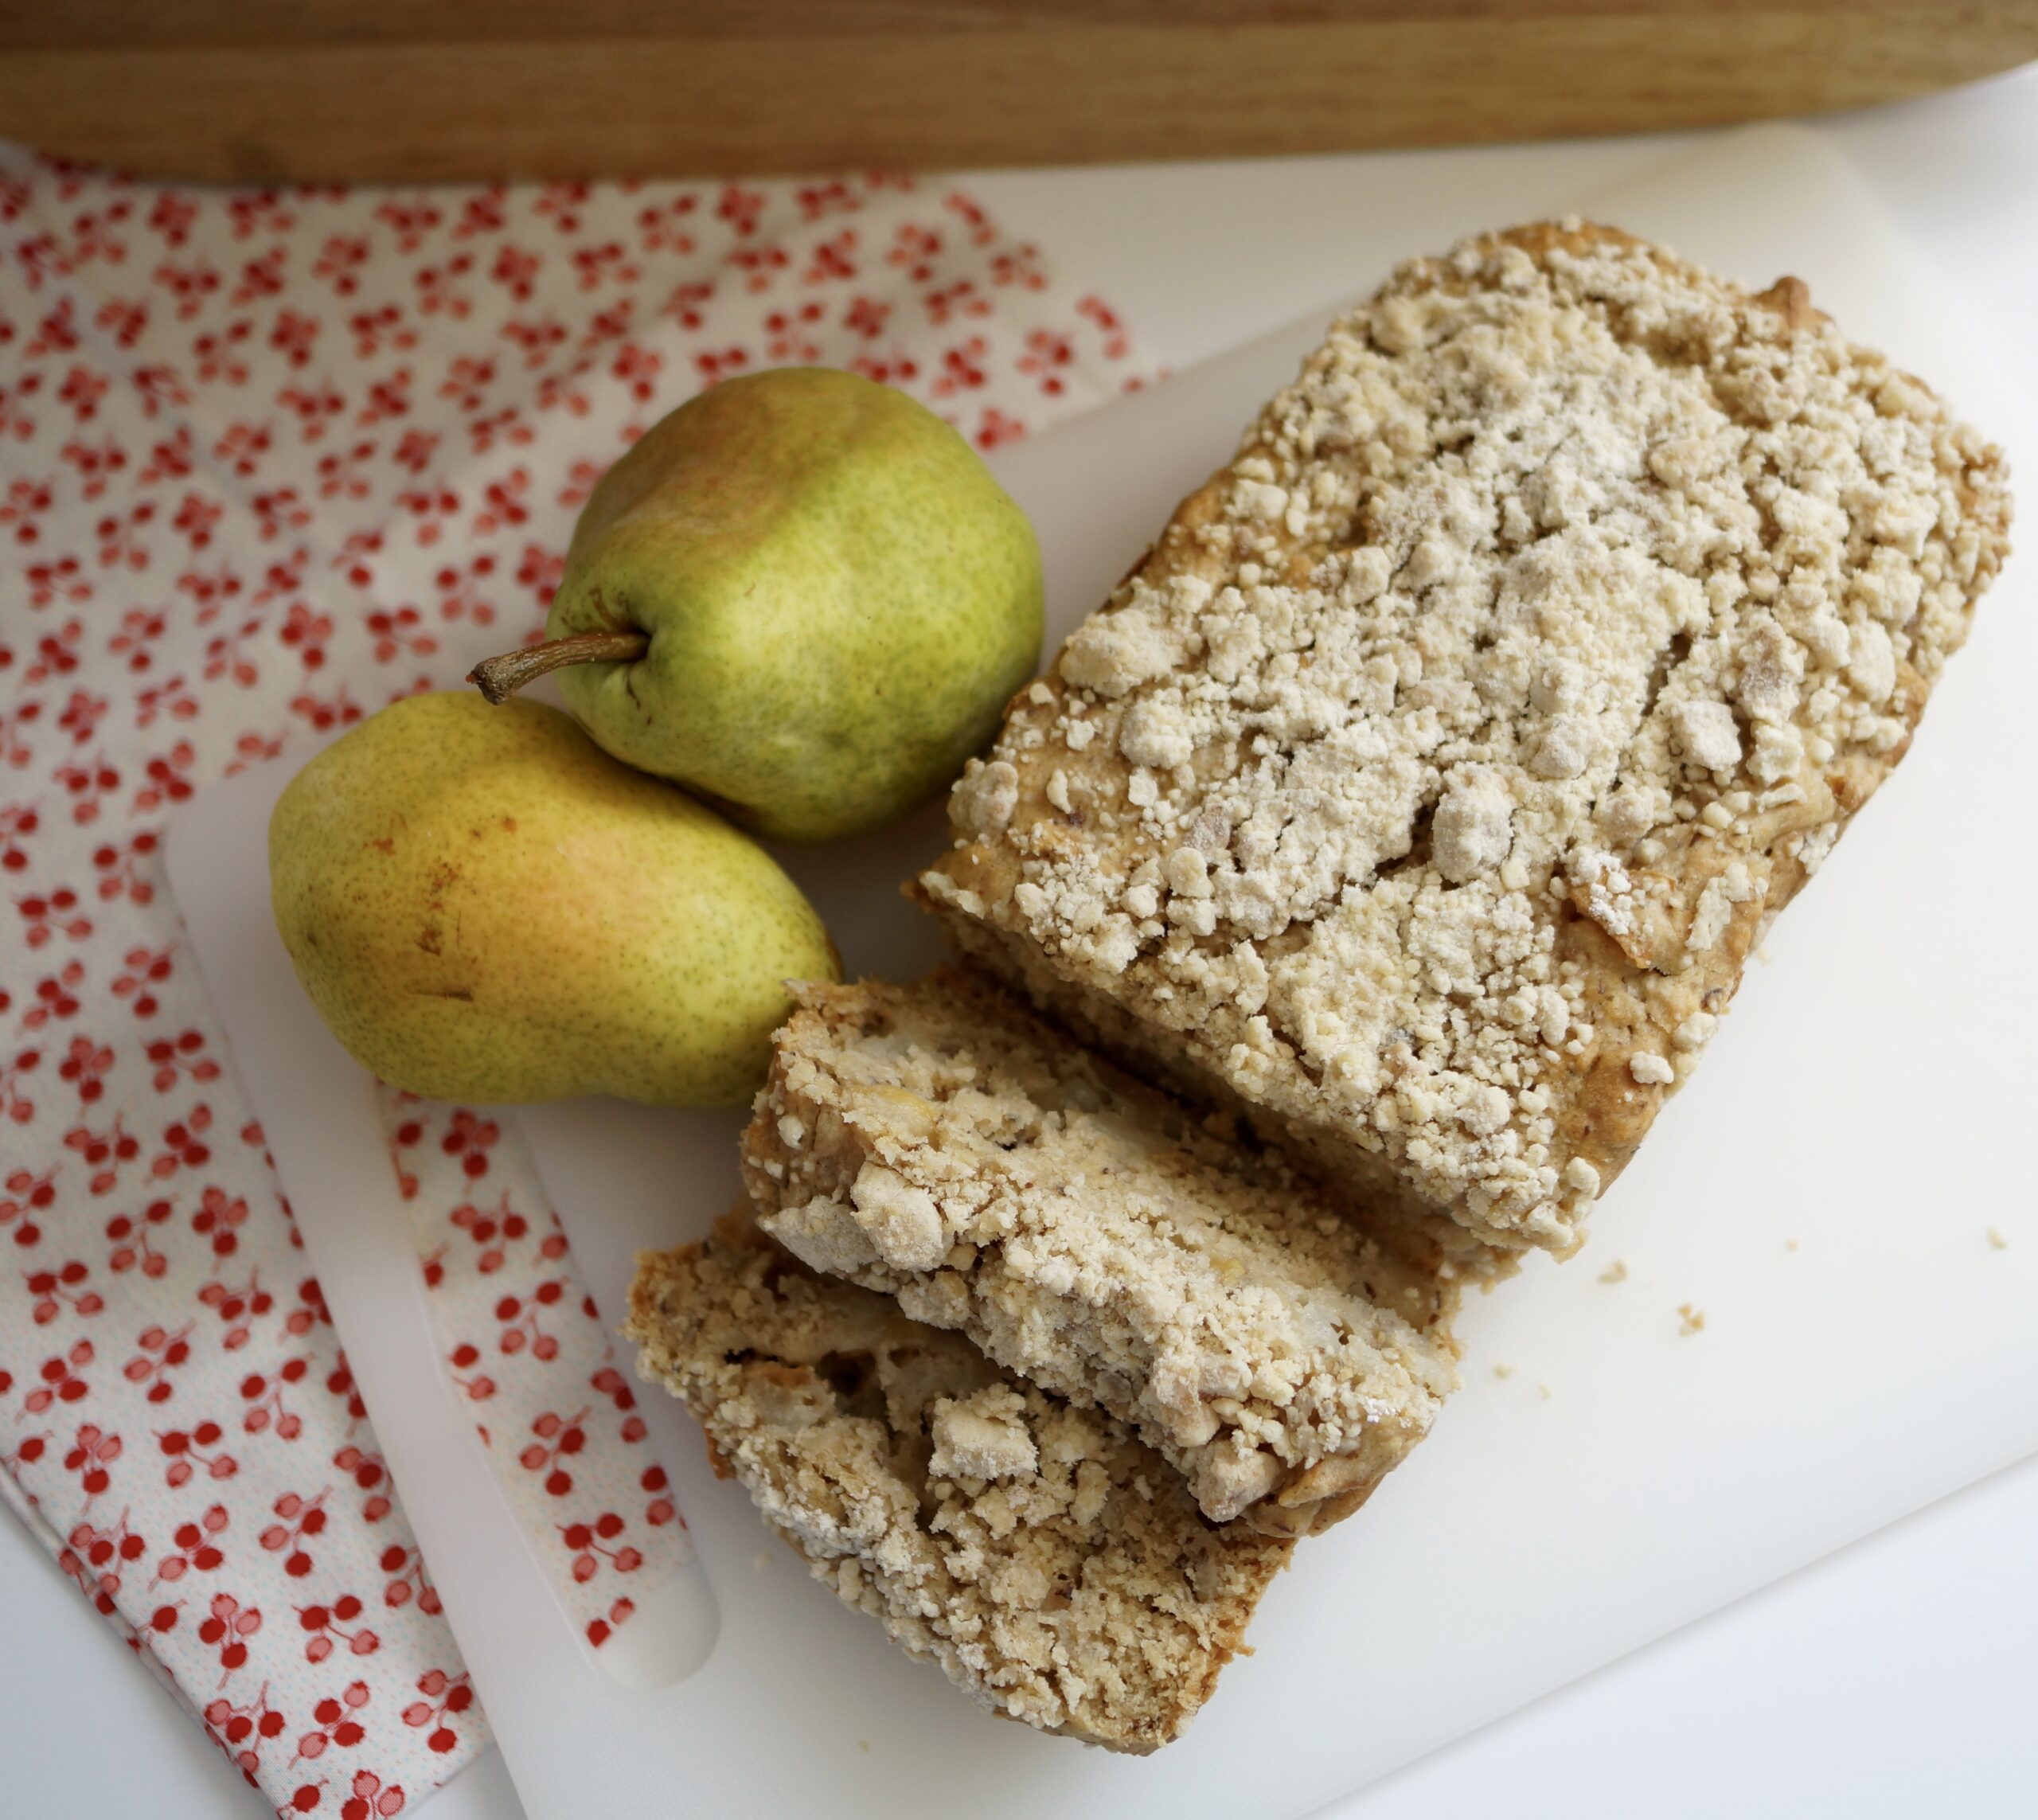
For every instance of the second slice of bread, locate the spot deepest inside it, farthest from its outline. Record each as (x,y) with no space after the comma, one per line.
(936,1142)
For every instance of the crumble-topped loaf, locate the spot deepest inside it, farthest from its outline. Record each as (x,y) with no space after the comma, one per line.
(1051,1564)
(1424,791)
(935,1141)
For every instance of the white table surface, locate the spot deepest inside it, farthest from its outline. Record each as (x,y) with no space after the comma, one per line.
(1897,1677)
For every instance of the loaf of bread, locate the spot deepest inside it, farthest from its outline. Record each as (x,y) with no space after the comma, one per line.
(1408,814)
(1422,793)
(1054,1566)
(935,1141)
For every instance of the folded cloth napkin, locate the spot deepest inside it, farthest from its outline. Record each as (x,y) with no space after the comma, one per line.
(273,458)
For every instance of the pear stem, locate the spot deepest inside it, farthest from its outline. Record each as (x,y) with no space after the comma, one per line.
(500,677)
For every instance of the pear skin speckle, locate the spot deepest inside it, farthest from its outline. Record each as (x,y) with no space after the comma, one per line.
(485,907)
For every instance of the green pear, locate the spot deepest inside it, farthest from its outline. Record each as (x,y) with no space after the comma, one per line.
(484,906)
(801,595)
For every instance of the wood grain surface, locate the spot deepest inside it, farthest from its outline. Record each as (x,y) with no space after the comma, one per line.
(419,89)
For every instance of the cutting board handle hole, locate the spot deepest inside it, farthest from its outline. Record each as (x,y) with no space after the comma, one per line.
(669,1637)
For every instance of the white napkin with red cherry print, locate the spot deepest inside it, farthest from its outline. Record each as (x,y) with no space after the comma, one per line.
(272,458)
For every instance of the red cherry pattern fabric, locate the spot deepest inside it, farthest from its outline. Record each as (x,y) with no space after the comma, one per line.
(269,459)
(525,1345)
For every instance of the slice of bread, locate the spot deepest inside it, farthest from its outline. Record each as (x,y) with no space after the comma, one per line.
(938,1143)
(1054,1566)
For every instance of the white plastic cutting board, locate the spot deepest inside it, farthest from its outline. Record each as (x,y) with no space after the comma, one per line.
(1822,1193)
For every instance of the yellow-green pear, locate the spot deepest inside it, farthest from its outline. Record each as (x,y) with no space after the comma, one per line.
(801,595)
(484,907)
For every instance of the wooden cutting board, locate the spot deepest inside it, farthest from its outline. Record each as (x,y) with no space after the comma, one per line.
(407,90)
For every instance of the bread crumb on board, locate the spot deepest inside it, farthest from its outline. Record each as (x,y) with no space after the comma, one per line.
(1691,1319)
(1998,1239)
(1614,1272)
